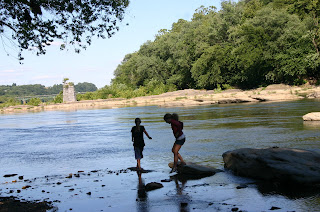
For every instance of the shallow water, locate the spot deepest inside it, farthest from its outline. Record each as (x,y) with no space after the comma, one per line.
(47,146)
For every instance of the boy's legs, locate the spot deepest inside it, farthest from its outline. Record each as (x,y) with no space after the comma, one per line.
(138,164)
(138,156)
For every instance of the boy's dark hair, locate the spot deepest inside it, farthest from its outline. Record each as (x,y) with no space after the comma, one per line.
(167,116)
(137,120)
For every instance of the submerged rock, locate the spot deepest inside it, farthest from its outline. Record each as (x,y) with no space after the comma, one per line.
(192,170)
(142,170)
(274,208)
(314,116)
(14,204)
(275,164)
(9,175)
(153,186)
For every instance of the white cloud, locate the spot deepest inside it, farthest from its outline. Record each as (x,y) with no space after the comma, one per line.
(8,71)
(44,77)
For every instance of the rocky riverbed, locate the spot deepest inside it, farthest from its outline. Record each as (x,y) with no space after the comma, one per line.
(126,190)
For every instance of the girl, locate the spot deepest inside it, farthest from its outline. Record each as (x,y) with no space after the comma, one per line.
(177,127)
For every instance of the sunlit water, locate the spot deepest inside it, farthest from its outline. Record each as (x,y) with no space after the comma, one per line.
(57,143)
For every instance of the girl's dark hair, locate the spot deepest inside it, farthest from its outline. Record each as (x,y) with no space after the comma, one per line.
(167,116)
(137,120)
(175,116)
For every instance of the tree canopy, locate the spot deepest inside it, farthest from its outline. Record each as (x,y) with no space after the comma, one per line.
(37,89)
(246,44)
(35,24)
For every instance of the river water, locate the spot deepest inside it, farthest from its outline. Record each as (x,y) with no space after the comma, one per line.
(55,143)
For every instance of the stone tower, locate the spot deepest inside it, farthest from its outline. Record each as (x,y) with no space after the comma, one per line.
(69,92)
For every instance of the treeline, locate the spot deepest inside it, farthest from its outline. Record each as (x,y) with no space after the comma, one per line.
(246,44)
(37,89)
(9,93)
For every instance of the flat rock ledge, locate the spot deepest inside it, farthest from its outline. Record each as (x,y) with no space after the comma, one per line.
(314,116)
(281,165)
(194,171)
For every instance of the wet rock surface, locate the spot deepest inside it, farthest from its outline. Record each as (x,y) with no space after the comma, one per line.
(194,171)
(282,165)
(94,191)
(139,170)
(13,204)
(153,186)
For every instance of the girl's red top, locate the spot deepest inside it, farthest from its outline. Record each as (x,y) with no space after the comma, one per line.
(176,127)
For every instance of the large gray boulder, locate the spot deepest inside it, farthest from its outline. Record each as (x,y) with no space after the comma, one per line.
(314,116)
(275,164)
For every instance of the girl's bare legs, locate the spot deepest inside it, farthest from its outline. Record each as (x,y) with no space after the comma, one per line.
(176,156)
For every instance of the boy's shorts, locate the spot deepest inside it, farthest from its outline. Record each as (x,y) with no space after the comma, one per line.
(138,152)
(180,142)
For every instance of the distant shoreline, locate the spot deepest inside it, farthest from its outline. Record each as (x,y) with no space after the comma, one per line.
(181,98)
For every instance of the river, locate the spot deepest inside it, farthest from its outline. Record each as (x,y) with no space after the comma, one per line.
(49,145)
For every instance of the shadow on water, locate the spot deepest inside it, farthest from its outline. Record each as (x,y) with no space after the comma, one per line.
(183,199)
(142,195)
(291,191)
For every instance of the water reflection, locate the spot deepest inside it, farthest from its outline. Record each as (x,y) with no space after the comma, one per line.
(311,124)
(142,196)
(182,198)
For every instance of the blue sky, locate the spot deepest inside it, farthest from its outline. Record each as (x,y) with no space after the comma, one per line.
(97,63)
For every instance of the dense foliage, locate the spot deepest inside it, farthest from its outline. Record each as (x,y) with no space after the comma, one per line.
(35,24)
(124,91)
(37,89)
(11,95)
(246,44)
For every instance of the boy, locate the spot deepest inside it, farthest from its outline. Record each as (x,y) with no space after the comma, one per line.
(138,141)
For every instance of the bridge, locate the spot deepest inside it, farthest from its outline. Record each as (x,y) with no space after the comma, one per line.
(44,98)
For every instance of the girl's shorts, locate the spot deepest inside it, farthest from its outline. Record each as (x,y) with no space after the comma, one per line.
(180,142)
(138,152)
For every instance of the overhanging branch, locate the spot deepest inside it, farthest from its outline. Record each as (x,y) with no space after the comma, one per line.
(8,25)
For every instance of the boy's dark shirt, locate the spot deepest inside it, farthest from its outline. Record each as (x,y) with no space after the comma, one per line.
(138,140)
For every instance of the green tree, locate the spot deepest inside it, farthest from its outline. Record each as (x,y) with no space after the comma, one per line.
(271,47)
(85,87)
(58,98)
(246,44)
(34,102)
(37,23)
(55,89)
